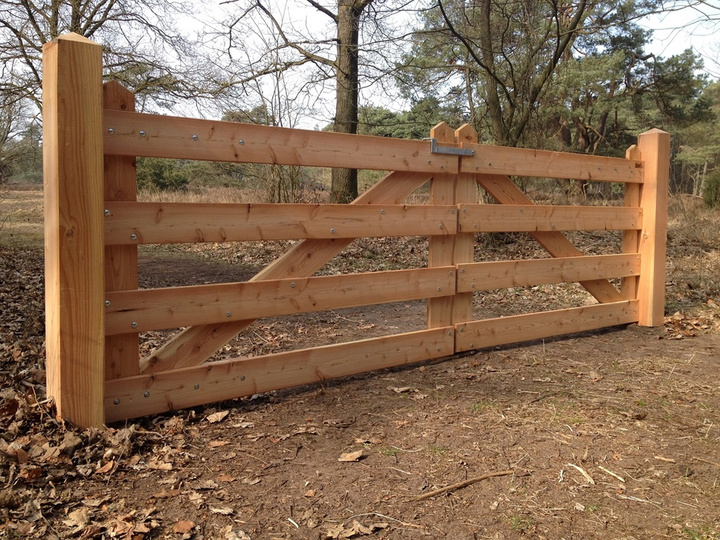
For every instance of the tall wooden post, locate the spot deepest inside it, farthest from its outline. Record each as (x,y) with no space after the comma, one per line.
(73,169)
(654,148)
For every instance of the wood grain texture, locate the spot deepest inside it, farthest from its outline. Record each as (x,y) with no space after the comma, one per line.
(163,223)
(122,355)
(631,238)
(173,307)
(502,160)
(528,327)
(74,251)
(654,147)
(227,379)
(527,273)
(524,218)
(137,134)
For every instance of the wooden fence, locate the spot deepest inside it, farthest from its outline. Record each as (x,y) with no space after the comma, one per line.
(93,226)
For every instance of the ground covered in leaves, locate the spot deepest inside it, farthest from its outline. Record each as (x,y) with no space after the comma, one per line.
(609,434)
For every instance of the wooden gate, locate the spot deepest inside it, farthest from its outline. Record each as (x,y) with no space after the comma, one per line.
(93,226)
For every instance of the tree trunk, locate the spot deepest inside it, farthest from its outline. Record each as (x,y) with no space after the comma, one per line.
(344,187)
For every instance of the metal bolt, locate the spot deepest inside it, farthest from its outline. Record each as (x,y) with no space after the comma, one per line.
(228,314)
(107,212)
(442,167)
(382,211)
(489,164)
(438,349)
(472,345)
(462,270)
(475,226)
(194,137)
(242,378)
(196,387)
(292,284)
(332,231)
(452,211)
(116,401)
(552,226)
(477,168)
(464,210)
(142,133)
(146,394)
(107,303)
(450,273)
(241,141)
(439,289)
(473,285)
(133,236)
(440,226)
(111,131)
(133,324)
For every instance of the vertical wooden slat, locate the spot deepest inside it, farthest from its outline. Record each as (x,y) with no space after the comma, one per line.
(465,193)
(441,248)
(73,164)
(122,353)
(631,238)
(654,147)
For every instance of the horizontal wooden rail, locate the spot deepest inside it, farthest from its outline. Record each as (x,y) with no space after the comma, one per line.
(483,276)
(173,307)
(227,379)
(138,134)
(162,223)
(510,161)
(517,328)
(526,218)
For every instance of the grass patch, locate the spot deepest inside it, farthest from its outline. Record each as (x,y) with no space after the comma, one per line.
(21,217)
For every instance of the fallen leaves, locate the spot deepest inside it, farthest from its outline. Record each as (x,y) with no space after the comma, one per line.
(354,530)
(214,418)
(352,456)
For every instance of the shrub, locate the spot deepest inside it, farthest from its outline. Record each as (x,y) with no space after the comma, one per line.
(711,190)
(161,174)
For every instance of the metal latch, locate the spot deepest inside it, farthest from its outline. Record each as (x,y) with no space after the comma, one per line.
(435,149)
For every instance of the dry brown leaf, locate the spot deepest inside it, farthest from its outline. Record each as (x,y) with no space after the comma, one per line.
(223,511)
(78,518)
(183,527)
(218,444)
(219,416)
(108,468)
(352,456)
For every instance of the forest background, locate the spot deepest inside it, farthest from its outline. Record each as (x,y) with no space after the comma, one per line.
(576,76)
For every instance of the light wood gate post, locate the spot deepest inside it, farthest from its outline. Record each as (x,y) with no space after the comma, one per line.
(654,148)
(73,178)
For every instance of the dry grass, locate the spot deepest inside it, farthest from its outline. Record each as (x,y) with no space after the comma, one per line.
(21,216)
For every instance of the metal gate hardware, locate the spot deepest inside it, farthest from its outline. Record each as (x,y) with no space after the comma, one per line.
(435,149)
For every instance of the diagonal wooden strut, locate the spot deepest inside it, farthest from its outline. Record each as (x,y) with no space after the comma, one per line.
(504,191)
(196,344)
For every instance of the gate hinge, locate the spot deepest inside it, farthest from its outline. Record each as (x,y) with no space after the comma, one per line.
(435,149)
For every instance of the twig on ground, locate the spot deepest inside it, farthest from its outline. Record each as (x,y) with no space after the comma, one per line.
(463,484)
(611,473)
(706,461)
(583,472)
